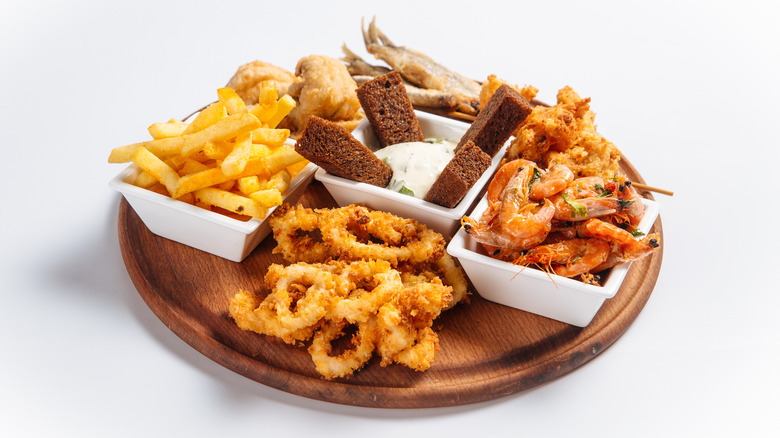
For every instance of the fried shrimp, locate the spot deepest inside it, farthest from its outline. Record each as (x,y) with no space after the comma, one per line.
(357,270)
(552,182)
(627,247)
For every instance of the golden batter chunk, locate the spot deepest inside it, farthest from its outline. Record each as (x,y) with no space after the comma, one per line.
(324,89)
(247,80)
(565,134)
(492,83)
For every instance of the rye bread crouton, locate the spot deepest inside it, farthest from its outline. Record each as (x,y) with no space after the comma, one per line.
(330,146)
(460,174)
(496,122)
(389,110)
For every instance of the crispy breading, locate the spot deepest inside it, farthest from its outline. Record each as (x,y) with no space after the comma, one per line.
(389,292)
(246,81)
(565,134)
(324,89)
(492,83)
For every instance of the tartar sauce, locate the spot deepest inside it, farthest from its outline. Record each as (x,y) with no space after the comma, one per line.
(416,165)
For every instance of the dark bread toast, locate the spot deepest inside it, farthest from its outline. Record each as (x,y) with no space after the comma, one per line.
(389,110)
(496,122)
(332,147)
(460,174)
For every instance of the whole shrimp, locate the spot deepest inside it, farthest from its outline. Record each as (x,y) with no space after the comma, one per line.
(631,207)
(551,182)
(512,222)
(585,198)
(627,247)
(567,258)
(601,245)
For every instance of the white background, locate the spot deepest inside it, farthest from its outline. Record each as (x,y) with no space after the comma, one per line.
(687,89)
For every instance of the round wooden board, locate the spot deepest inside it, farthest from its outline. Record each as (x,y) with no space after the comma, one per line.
(486,350)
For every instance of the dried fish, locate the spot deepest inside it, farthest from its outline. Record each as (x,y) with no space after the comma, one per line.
(420,70)
(421,97)
(356,66)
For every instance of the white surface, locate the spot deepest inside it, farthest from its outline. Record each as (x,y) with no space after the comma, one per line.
(441,219)
(688,91)
(533,290)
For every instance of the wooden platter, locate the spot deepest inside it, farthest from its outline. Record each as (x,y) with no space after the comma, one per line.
(486,350)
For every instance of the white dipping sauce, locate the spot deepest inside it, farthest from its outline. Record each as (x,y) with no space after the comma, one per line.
(416,165)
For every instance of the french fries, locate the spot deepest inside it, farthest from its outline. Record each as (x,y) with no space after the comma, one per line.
(171,128)
(230,201)
(156,167)
(229,158)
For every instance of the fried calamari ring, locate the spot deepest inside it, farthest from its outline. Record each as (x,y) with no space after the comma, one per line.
(349,361)
(301,295)
(403,321)
(374,284)
(242,309)
(386,276)
(444,269)
(293,229)
(356,233)
(420,356)
(453,277)
(352,233)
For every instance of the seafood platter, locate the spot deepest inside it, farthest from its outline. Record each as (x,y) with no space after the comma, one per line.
(390,235)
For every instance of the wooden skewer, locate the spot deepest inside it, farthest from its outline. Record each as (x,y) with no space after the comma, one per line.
(652,189)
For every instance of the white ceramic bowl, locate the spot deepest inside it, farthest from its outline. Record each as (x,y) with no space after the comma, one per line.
(193,226)
(441,219)
(532,290)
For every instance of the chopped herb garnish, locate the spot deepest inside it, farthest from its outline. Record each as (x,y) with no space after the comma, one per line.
(536,177)
(577,208)
(603,191)
(624,204)
(406,191)
(637,233)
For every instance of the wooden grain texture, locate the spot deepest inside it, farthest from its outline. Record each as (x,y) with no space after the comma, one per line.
(486,350)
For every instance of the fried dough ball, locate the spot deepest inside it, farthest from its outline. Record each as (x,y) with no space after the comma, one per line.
(324,88)
(246,81)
